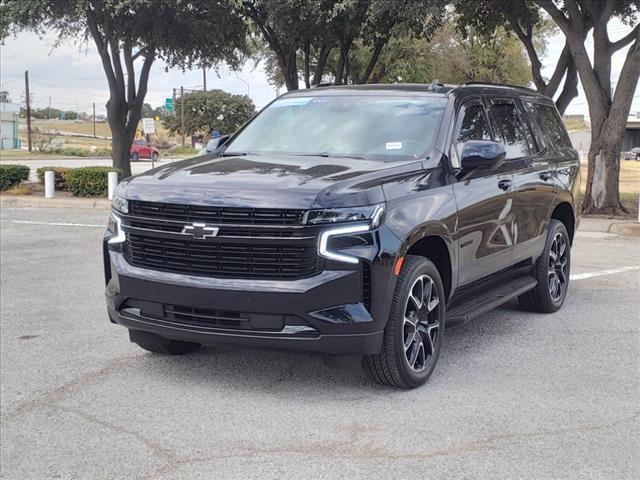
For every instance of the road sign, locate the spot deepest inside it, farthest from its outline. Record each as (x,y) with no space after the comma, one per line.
(168,103)
(148,126)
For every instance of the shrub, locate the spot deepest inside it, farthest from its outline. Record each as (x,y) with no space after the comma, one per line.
(11,175)
(59,174)
(180,150)
(89,181)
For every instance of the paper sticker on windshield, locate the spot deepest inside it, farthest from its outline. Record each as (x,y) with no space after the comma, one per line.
(292,102)
(394,145)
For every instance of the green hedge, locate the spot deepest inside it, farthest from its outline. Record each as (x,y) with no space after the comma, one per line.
(89,181)
(11,175)
(59,174)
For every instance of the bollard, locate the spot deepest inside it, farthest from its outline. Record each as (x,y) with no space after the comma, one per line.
(49,184)
(113,182)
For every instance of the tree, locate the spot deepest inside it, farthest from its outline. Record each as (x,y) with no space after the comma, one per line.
(129,36)
(608,112)
(307,35)
(524,19)
(213,109)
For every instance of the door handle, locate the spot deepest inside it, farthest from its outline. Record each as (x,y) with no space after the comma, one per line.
(546,175)
(504,184)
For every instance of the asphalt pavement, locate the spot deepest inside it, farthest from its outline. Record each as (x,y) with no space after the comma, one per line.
(514,395)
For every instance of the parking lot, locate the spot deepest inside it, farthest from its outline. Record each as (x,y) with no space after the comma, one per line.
(515,394)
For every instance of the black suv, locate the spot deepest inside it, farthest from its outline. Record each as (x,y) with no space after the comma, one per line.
(354,220)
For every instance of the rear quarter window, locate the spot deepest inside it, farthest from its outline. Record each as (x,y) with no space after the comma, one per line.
(554,134)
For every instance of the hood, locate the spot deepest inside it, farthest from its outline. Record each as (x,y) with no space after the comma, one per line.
(267,181)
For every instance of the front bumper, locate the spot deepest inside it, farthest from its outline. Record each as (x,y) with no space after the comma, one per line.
(325,313)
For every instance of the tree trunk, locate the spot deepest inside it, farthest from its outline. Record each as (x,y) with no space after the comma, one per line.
(307,67)
(290,71)
(322,63)
(345,46)
(377,50)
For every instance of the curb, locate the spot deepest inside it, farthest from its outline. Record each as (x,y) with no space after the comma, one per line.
(625,229)
(30,201)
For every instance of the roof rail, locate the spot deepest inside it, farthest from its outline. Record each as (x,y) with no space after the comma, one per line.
(489,84)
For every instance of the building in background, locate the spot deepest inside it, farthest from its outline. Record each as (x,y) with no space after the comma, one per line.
(9,123)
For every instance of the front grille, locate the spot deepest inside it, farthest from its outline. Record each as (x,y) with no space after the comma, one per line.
(219,258)
(216,215)
(366,285)
(254,243)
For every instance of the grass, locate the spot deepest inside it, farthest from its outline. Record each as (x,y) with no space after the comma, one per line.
(19,189)
(85,128)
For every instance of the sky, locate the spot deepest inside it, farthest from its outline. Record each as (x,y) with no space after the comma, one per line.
(71,74)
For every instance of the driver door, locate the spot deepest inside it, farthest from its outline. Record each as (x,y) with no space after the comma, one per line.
(484,199)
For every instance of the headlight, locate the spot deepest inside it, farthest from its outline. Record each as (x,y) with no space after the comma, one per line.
(364,219)
(115,226)
(341,215)
(120,204)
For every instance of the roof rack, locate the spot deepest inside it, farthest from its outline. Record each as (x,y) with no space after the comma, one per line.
(489,84)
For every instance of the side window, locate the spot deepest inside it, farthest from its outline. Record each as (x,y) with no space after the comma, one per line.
(550,124)
(509,129)
(473,126)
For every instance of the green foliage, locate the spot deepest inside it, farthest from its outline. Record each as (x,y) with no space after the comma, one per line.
(58,173)
(89,181)
(180,150)
(11,175)
(214,109)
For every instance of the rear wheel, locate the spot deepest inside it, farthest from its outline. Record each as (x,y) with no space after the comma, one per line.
(135,156)
(551,271)
(154,156)
(415,329)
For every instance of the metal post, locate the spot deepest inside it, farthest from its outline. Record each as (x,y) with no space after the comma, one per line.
(113,183)
(49,184)
(94,119)
(182,114)
(28,101)
(204,77)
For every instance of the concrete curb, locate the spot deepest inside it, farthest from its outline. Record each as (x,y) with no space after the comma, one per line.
(32,201)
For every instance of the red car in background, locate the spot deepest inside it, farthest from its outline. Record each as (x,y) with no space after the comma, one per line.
(141,149)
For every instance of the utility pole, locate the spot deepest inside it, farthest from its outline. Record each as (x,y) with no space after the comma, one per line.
(49,111)
(204,77)
(94,119)
(28,101)
(182,113)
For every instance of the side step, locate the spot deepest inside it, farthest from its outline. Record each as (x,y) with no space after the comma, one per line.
(486,301)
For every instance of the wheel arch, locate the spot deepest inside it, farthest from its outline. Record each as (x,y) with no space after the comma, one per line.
(433,241)
(563,212)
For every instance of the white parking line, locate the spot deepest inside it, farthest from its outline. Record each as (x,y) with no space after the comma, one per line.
(59,224)
(612,271)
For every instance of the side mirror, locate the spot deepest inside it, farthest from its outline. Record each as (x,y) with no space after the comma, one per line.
(482,154)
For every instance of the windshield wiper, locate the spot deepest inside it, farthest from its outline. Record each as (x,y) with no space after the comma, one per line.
(329,155)
(235,154)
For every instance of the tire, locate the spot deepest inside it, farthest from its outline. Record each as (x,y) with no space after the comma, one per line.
(173,347)
(135,156)
(424,338)
(551,271)
(154,156)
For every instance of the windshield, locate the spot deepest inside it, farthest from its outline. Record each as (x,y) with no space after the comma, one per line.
(390,127)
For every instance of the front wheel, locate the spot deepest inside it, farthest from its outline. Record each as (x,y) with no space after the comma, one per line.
(551,271)
(415,329)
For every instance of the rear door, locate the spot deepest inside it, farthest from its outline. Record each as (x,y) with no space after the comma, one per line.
(533,171)
(484,200)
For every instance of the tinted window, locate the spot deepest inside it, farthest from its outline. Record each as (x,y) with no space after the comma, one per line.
(391,128)
(474,125)
(550,124)
(509,129)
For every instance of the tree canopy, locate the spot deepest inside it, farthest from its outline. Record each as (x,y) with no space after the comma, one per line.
(129,36)
(213,109)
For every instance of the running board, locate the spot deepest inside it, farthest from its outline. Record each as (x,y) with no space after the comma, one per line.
(487,301)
